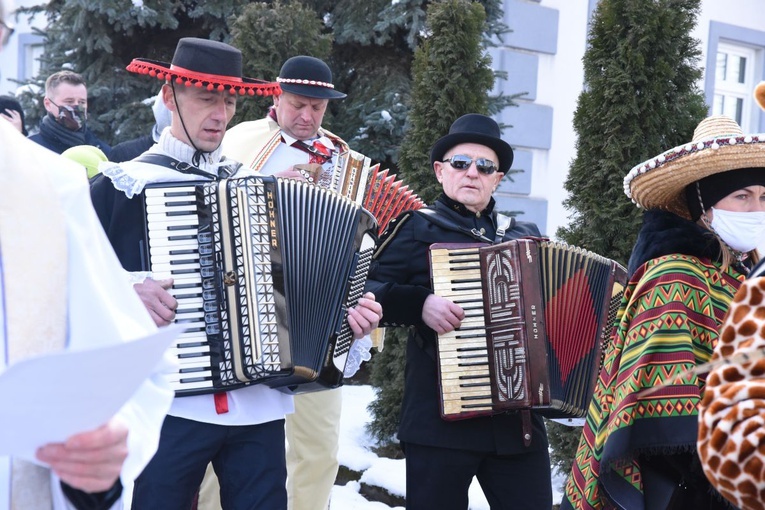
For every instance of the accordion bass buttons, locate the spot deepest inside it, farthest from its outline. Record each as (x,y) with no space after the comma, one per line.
(229,279)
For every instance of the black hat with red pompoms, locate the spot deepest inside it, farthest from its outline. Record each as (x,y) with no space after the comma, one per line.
(205,63)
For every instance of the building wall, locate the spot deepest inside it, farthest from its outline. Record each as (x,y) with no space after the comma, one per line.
(18,59)
(549,37)
(739,22)
(542,57)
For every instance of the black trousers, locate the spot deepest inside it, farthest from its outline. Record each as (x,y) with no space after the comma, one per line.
(440,478)
(248,459)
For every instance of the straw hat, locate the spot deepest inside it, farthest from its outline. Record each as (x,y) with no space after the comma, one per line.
(759,94)
(205,63)
(718,145)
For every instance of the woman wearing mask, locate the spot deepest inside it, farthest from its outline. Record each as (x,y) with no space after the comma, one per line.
(732,412)
(705,217)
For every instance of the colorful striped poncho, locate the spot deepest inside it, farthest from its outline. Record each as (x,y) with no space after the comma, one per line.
(667,322)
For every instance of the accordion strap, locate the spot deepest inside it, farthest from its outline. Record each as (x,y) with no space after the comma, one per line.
(180,166)
(526,426)
(504,223)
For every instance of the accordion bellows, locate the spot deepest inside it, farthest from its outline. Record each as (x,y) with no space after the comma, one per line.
(387,197)
(537,316)
(380,192)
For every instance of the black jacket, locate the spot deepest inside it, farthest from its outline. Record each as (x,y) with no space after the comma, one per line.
(59,146)
(131,149)
(400,279)
(122,219)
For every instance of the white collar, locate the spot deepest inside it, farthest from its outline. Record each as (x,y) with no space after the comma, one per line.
(131,177)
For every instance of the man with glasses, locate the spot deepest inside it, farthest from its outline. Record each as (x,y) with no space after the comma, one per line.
(65,125)
(442,457)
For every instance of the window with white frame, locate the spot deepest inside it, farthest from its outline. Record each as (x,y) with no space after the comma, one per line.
(734,82)
(31,60)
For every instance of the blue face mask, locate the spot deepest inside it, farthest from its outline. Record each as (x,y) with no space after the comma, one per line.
(71,117)
(742,231)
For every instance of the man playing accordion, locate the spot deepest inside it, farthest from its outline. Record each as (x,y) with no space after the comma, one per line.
(442,457)
(241,432)
(290,142)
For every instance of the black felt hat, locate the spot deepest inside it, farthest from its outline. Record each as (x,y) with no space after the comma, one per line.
(474,128)
(205,63)
(309,77)
(11,103)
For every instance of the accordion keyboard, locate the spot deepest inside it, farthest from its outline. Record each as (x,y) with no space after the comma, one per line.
(174,252)
(463,356)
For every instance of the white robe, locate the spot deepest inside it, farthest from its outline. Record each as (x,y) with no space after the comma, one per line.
(102,307)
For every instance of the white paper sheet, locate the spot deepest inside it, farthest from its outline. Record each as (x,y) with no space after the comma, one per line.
(48,398)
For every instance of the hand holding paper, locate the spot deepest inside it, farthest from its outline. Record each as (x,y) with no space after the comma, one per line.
(50,398)
(90,461)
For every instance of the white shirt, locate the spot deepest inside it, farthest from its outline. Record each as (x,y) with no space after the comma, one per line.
(285,156)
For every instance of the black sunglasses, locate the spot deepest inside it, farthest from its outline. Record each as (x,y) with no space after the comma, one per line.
(462,162)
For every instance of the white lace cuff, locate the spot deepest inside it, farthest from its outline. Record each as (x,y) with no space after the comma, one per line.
(358,354)
(122,181)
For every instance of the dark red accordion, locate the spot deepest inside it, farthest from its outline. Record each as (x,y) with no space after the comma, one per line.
(537,316)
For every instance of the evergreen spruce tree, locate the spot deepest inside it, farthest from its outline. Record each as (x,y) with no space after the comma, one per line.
(387,377)
(99,38)
(451,77)
(640,98)
(270,33)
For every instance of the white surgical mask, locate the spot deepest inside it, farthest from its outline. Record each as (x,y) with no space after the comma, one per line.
(742,231)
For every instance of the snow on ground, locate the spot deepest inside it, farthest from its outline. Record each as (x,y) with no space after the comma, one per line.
(356,454)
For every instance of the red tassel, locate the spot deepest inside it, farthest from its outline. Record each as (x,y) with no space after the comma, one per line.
(221,402)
